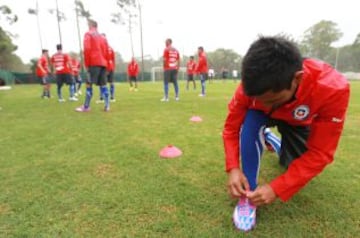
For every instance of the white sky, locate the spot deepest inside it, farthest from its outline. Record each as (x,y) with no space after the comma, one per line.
(230,24)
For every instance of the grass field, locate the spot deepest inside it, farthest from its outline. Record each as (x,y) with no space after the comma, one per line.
(68,174)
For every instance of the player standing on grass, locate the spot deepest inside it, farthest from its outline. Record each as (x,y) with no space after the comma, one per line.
(75,64)
(190,71)
(42,71)
(62,64)
(133,71)
(202,69)
(109,74)
(305,98)
(95,59)
(171,58)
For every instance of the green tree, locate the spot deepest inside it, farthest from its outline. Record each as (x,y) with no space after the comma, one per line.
(355,49)
(317,40)
(7,14)
(224,58)
(81,12)
(119,63)
(8,60)
(125,16)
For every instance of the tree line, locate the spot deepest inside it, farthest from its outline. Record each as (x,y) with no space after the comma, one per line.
(317,41)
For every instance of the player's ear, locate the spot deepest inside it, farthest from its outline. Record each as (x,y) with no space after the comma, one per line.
(298,77)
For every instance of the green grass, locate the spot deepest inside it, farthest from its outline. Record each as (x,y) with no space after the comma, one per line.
(67,174)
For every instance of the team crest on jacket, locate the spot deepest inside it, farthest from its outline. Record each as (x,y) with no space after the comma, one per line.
(301,112)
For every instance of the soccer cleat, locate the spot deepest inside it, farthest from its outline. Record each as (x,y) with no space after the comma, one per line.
(136,89)
(79,92)
(82,109)
(244,216)
(177,99)
(74,99)
(131,89)
(112,100)
(201,95)
(106,109)
(99,101)
(61,100)
(164,100)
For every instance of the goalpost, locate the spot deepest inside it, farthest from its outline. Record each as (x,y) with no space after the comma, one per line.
(157,73)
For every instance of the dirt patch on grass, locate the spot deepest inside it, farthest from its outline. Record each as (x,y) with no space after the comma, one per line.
(168,209)
(4,209)
(103,170)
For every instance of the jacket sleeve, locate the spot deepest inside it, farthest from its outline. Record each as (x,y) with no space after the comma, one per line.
(199,65)
(87,49)
(322,142)
(237,108)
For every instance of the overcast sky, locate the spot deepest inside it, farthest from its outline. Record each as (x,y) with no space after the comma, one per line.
(230,24)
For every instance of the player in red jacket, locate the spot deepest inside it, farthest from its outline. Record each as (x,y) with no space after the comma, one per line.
(171,64)
(133,71)
(95,59)
(61,63)
(190,71)
(75,64)
(202,69)
(42,71)
(305,99)
(110,72)
(110,67)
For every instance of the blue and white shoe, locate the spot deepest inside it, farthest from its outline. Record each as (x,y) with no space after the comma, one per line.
(244,216)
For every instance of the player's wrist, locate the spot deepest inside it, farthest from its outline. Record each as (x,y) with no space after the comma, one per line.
(234,170)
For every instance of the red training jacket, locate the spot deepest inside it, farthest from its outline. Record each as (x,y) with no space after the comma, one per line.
(133,68)
(95,49)
(202,66)
(171,58)
(43,61)
(110,60)
(75,66)
(61,63)
(321,102)
(190,67)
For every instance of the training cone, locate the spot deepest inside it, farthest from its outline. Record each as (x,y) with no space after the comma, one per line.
(170,152)
(196,119)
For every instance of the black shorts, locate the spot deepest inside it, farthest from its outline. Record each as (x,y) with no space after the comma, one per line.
(64,78)
(133,78)
(77,78)
(44,80)
(170,75)
(97,75)
(110,76)
(190,77)
(293,140)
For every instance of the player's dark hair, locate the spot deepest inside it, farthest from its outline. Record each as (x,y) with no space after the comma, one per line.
(191,57)
(270,65)
(92,23)
(44,51)
(59,47)
(201,48)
